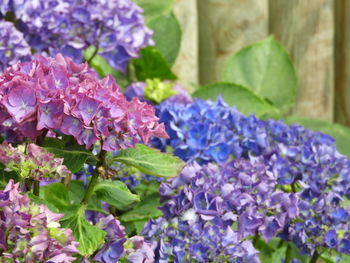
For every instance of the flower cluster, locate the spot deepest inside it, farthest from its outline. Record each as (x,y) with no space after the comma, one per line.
(118,246)
(116,28)
(37,163)
(13,46)
(211,210)
(301,160)
(57,94)
(156,91)
(31,233)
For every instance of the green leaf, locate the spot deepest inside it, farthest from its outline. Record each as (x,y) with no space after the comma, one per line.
(77,191)
(40,201)
(340,133)
(50,142)
(236,95)
(151,161)
(152,65)
(74,160)
(146,209)
(167,35)
(89,237)
(266,68)
(57,195)
(331,256)
(278,251)
(115,193)
(155,8)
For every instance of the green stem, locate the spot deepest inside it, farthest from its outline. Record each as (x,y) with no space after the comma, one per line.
(28,184)
(94,178)
(36,188)
(93,54)
(314,257)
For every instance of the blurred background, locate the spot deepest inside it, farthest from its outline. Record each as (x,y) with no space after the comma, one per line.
(316,34)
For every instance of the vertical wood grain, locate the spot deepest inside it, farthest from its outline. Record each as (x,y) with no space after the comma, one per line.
(186,64)
(342,61)
(225,26)
(306,28)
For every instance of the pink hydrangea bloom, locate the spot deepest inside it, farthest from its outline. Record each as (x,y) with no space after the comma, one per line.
(30,232)
(58,94)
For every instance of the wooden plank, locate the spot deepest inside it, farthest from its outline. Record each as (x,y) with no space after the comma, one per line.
(225,26)
(342,61)
(186,64)
(306,28)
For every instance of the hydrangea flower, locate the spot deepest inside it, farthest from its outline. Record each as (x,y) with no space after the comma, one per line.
(156,91)
(210,211)
(116,28)
(118,246)
(57,94)
(31,233)
(13,46)
(37,163)
(302,160)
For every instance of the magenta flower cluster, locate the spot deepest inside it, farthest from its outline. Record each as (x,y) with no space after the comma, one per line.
(56,94)
(31,233)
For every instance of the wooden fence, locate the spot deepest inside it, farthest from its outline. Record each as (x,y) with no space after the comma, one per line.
(315,32)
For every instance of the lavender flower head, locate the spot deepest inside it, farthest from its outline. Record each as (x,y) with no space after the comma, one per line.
(118,246)
(210,210)
(13,46)
(116,28)
(31,233)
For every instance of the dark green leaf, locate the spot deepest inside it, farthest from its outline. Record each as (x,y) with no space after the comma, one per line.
(266,68)
(146,209)
(167,35)
(89,237)
(151,65)
(151,161)
(154,8)
(236,95)
(50,142)
(74,160)
(340,133)
(57,195)
(115,193)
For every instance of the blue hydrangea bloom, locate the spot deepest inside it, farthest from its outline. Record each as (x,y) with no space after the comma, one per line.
(302,161)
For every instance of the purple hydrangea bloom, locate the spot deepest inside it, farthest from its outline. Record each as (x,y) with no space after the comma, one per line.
(118,246)
(13,46)
(300,159)
(203,203)
(33,233)
(116,28)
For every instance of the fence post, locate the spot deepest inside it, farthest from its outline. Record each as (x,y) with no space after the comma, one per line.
(306,28)
(225,26)
(342,61)
(186,64)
